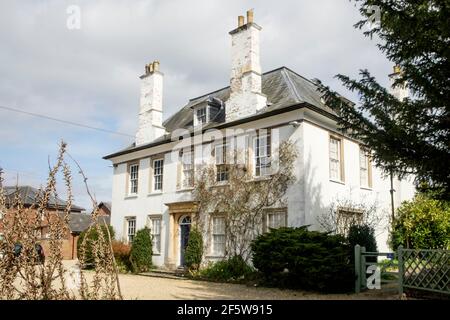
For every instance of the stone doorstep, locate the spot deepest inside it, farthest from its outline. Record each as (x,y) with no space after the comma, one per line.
(179,274)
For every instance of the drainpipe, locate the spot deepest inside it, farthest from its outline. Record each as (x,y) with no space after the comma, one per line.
(392,196)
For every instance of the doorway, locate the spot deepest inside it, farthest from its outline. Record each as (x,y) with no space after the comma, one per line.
(185,228)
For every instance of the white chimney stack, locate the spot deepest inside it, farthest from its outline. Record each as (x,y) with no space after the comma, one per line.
(401,91)
(246,97)
(150,112)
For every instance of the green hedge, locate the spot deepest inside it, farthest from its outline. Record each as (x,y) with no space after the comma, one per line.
(91,236)
(298,258)
(141,251)
(422,223)
(194,250)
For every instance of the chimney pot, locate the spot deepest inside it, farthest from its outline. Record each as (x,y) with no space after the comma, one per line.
(250,16)
(240,21)
(156,65)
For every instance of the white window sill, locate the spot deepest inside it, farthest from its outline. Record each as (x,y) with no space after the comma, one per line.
(264,177)
(366,188)
(131,196)
(185,189)
(156,254)
(221,184)
(155,193)
(337,181)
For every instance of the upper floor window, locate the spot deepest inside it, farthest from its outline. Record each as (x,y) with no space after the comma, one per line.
(336,163)
(131,229)
(364,168)
(158,170)
(262,151)
(187,162)
(201,115)
(155,230)
(221,162)
(134,177)
(218,236)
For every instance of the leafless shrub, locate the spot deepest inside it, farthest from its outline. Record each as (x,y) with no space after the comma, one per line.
(22,276)
(345,212)
(242,200)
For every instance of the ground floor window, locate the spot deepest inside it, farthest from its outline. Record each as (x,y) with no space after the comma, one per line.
(276,219)
(131,229)
(218,236)
(346,217)
(155,230)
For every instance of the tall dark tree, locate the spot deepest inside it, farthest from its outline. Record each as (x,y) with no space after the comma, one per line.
(410,136)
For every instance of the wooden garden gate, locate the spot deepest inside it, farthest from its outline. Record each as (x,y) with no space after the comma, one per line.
(419,269)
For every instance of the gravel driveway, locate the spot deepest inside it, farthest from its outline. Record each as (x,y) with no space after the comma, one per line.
(150,288)
(158,288)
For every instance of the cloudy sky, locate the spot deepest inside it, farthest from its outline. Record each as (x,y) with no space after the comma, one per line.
(91,75)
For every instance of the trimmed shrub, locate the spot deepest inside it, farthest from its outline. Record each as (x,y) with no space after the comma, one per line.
(122,255)
(298,258)
(422,223)
(230,270)
(194,250)
(141,251)
(364,236)
(91,236)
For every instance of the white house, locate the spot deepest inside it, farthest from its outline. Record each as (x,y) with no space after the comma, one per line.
(153,178)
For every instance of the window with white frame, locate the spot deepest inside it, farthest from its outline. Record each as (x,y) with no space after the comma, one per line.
(158,170)
(218,236)
(364,168)
(222,169)
(335,159)
(187,162)
(262,150)
(201,115)
(131,229)
(155,231)
(276,219)
(134,177)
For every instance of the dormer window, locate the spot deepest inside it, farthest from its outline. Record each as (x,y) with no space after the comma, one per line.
(201,114)
(207,111)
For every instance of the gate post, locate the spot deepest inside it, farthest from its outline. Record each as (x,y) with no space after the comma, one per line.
(400,269)
(358,268)
(363,268)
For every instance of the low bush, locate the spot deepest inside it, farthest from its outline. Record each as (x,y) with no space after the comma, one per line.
(122,255)
(91,236)
(298,258)
(234,269)
(141,251)
(194,250)
(365,237)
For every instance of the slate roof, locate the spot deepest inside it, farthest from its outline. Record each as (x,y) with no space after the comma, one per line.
(106,204)
(78,222)
(284,88)
(30,195)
